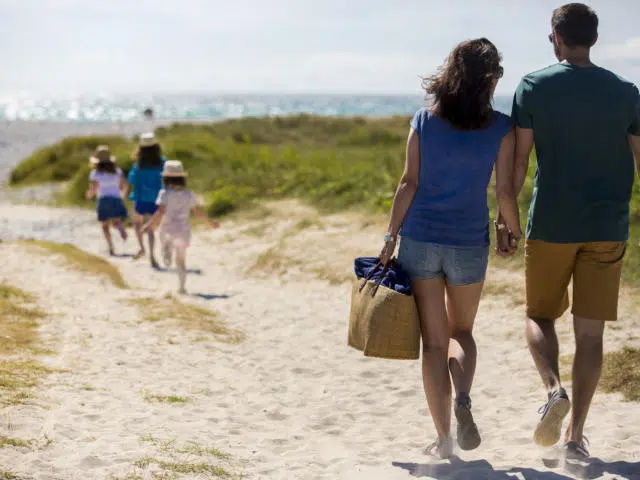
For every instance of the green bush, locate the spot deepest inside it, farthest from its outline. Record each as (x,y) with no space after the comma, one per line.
(334,163)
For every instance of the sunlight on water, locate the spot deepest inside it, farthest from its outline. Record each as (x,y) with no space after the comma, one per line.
(112,108)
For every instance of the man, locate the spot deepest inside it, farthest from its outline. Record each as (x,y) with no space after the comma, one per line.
(585,123)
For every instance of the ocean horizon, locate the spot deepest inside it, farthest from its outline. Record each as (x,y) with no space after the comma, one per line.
(105,108)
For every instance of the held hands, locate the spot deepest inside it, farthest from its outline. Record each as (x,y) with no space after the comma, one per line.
(506,241)
(214,224)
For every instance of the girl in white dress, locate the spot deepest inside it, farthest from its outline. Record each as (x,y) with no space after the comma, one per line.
(175,204)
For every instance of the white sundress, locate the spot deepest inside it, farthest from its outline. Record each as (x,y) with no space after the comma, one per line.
(175,226)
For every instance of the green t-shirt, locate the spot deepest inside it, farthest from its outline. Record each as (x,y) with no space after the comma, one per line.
(581,118)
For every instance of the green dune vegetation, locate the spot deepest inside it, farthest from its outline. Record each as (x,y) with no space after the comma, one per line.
(332,163)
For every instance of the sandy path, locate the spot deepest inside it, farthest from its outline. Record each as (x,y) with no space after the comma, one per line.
(292,401)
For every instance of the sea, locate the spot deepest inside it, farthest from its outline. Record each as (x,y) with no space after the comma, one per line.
(106,108)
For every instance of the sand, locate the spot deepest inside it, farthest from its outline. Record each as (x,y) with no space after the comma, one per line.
(290,402)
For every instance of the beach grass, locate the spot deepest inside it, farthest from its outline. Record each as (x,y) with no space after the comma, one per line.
(80,260)
(333,163)
(187,316)
(19,373)
(18,329)
(620,372)
(188,458)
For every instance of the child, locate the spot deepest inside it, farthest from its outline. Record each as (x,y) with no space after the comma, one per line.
(175,202)
(107,181)
(146,181)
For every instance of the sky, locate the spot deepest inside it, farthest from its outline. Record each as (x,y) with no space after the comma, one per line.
(263,46)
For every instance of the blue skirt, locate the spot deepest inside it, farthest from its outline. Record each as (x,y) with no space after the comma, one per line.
(145,208)
(110,208)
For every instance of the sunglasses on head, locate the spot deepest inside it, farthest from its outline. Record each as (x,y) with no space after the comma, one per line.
(500,72)
(551,37)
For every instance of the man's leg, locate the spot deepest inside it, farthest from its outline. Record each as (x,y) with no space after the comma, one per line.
(543,345)
(587,366)
(596,285)
(548,270)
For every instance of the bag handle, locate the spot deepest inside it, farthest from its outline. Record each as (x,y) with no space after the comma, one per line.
(372,272)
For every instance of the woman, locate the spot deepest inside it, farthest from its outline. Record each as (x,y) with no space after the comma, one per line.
(146,180)
(441,206)
(107,182)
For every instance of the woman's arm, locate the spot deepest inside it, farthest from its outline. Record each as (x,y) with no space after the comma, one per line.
(93,189)
(153,222)
(405,192)
(506,190)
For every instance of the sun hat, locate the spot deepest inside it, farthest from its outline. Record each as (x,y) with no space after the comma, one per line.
(173,168)
(102,154)
(148,139)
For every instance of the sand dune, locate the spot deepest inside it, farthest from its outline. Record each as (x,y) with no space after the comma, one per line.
(291,401)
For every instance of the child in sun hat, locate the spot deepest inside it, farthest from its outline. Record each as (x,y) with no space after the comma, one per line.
(146,182)
(175,203)
(107,182)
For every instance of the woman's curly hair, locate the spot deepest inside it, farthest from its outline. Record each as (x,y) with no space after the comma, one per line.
(463,87)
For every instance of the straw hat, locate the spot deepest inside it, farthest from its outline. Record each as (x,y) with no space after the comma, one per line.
(173,168)
(148,139)
(102,154)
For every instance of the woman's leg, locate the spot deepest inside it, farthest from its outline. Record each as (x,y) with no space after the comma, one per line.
(429,296)
(462,307)
(138,220)
(181,267)
(107,236)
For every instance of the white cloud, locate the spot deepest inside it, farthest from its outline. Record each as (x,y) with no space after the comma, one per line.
(628,51)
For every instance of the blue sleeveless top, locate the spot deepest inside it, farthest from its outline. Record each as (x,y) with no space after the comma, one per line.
(450,206)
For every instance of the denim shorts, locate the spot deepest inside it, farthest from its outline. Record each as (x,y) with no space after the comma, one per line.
(110,208)
(458,265)
(145,208)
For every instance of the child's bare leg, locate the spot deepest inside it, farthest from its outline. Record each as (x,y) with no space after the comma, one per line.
(118,223)
(152,242)
(107,236)
(137,224)
(181,267)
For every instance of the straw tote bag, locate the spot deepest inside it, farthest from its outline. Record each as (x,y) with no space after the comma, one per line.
(383,321)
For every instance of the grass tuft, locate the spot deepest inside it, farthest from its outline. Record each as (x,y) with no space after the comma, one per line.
(620,372)
(187,316)
(191,458)
(165,398)
(18,328)
(15,442)
(80,260)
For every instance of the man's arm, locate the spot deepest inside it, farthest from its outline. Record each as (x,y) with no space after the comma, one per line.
(634,141)
(524,145)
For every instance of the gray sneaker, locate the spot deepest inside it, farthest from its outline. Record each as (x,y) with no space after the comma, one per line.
(575,451)
(468,435)
(548,429)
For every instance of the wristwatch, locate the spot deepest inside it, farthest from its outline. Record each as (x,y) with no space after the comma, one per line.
(388,237)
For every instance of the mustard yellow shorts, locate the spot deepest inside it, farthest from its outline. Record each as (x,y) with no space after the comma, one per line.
(595,268)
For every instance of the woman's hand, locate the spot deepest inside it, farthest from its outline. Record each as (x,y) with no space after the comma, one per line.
(146,228)
(88,195)
(214,224)
(388,249)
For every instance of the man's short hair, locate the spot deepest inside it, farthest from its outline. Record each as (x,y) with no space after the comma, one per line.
(576,24)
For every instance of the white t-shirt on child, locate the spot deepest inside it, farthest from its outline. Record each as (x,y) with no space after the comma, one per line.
(108,183)
(178,203)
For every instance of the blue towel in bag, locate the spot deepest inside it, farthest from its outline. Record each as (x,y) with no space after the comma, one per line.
(394,278)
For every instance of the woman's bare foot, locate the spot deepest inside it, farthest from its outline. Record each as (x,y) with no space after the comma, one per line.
(139,255)
(154,264)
